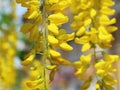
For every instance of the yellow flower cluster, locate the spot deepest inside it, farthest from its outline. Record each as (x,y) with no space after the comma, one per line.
(7,53)
(35,80)
(33,8)
(104,69)
(34,15)
(51,37)
(57,37)
(92,23)
(82,65)
(94,29)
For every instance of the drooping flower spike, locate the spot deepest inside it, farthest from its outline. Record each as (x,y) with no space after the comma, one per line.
(44,19)
(94,30)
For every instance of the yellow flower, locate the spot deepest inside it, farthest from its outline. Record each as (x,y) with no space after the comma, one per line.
(105,38)
(107,3)
(97,86)
(57,5)
(28,59)
(82,65)
(7,53)
(93,12)
(52,39)
(85,40)
(99,66)
(35,83)
(82,40)
(58,18)
(61,40)
(31,14)
(86,47)
(34,14)
(36,70)
(104,20)
(105,67)
(86,84)
(53,28)
(111,29)
(87,22)
(61,61)
(93,35)
(109,80)
(54,53)
(50,67)
(25,29)
(33,8)
(110,58)
(53,69)
(107,11)
(35,78)
(65,46)
(81,31)
(53,1)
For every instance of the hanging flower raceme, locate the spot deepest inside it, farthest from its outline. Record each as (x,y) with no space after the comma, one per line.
(104,68)
(82,65)
(35,78)
(33,18)
(94,29)
(7,54)
(50,38)
(58,37)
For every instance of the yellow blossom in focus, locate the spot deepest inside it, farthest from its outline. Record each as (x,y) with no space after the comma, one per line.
(61,40)
(58,18)
(82,65)
(105,66)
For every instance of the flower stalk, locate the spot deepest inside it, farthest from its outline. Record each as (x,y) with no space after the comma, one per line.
(45,36)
